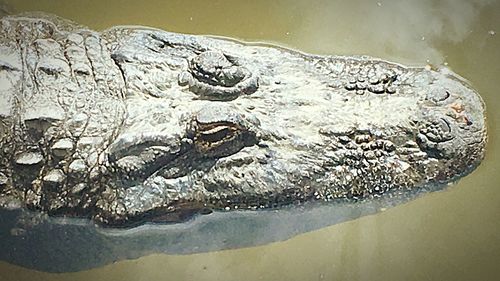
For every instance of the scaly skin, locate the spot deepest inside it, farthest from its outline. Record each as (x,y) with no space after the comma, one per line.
(132,124)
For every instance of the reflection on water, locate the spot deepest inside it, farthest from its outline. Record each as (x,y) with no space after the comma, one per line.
(451,235)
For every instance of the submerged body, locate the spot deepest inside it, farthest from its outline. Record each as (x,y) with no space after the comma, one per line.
(135,125)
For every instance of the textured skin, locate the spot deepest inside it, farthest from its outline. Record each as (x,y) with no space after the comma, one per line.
(135,124)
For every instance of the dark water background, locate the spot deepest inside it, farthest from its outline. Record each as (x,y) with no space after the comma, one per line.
(449,235)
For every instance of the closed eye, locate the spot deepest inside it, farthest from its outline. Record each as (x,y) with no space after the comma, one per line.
(217,134)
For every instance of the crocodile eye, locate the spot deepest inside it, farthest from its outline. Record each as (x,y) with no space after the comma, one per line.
(216,76)
(219,139)
(218,130)
(217,134)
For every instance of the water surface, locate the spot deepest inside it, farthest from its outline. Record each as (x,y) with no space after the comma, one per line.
(449,235)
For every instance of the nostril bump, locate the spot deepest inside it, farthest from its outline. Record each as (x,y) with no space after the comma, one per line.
(437,95)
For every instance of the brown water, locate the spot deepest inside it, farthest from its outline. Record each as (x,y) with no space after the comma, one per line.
(450,235)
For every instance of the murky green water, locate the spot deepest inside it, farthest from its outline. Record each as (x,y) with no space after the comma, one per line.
(450,235)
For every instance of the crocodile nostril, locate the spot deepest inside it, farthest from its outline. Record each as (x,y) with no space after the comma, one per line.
(437,96)
(438,130)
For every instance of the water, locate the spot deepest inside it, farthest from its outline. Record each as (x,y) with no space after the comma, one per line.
(450,235)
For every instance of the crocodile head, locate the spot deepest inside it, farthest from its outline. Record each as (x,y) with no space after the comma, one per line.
(159,126)
(287,128)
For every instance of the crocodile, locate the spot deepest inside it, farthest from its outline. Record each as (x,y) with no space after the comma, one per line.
(137,125)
